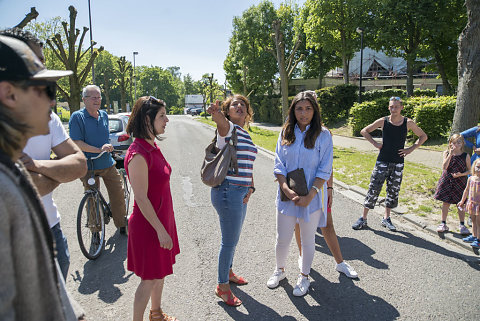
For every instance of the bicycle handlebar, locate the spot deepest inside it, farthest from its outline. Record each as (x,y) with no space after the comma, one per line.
(98,156)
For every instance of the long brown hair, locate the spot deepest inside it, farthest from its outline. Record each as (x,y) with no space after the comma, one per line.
(288,133)
(226,105)
(144,110)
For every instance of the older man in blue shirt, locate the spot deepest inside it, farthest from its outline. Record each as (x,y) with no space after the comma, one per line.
(89,130)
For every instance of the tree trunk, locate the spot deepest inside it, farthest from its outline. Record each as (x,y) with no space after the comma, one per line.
(346,79)
(280,55)
(447,88)
(410,67)
(467,110)
(106,91)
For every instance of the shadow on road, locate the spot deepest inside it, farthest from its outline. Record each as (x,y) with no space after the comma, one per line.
(256,310)
(410,239)
(352,249)
(340,301)
(105,272)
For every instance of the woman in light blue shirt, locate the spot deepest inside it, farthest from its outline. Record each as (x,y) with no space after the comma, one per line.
(303,143)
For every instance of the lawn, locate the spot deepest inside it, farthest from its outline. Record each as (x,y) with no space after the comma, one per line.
(354,168)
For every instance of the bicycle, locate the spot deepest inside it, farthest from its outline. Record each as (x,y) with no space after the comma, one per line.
(94,213)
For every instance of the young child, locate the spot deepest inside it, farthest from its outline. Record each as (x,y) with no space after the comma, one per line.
(390,160)
(473,204)
(452,183)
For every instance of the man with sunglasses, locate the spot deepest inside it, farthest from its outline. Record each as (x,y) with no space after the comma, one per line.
(47,174)
(390,160)
(89,130)
(31,287)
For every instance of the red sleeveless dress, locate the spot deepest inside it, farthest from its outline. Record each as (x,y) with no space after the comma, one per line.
(145,257)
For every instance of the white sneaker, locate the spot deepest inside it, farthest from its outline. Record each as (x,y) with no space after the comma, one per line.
(303,283)
(300,262)
(275,279)
(346,269)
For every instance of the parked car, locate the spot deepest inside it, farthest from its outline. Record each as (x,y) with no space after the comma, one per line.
(119,138)
(195,111)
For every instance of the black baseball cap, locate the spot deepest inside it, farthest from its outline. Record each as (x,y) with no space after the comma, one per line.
(18,62)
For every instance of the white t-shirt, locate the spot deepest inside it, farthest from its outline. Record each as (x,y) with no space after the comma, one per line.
(40,147)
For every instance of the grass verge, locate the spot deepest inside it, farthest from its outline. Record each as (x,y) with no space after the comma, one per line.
(354,168)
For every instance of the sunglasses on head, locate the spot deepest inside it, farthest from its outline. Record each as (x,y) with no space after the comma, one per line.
(154,101)
(396,98)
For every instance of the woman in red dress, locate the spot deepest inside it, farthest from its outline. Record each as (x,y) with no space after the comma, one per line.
(152,233)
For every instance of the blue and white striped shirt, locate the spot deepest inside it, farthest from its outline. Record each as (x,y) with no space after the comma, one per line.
(246,154)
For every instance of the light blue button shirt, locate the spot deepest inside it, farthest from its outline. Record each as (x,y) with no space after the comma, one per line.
(316,162)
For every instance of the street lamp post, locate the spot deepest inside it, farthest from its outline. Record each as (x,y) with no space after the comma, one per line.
(134,77)
(360,31)
(91,42)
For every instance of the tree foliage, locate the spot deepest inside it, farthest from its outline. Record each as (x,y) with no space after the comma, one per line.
(331,26)
(71,55)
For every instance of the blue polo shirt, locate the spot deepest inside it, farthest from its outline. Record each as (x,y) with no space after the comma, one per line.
(94,132)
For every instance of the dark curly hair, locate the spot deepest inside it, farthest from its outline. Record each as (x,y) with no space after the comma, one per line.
(145,108)
(226,105)
(288,132)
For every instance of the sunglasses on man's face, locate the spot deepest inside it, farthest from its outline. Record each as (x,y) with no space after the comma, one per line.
(50,87)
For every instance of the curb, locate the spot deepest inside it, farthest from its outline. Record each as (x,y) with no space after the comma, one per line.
(402,213)
(359,193)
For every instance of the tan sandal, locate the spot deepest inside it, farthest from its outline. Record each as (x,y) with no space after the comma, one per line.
(159,315)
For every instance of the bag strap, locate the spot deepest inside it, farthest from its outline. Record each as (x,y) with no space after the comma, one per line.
(233,159)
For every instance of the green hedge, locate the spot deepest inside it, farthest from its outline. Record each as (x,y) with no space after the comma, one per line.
(433,115)
(335,102)
(267,109)
(175,110)
(387,93)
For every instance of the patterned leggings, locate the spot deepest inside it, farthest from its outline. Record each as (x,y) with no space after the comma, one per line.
(392,172)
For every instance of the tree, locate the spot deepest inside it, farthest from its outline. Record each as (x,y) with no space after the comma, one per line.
(440,46)
(158,82)
(331,27)
(318,61)
(71,57)
(33,14)
(191,87)
(467,110)
(401,28)
(105,69)
(123,71)
(286,45)
(249,67)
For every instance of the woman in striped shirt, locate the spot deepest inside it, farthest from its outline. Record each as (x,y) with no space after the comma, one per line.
(230,198)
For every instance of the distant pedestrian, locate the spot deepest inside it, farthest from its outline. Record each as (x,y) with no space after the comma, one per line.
(473,203)
(231,197)
(303,144)
(473,132)
(452,183)
(390,160)
(152,236)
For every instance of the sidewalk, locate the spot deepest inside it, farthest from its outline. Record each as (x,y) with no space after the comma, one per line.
(421,155)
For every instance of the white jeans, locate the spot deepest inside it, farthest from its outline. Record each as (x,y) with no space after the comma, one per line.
(285,229)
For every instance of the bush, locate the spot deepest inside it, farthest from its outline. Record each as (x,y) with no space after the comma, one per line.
(267,109)
(63,114)
(175,110)
(387,93)
(335,102)
(366,113)
(433,115)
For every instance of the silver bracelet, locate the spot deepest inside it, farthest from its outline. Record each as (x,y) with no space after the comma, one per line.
(316,188)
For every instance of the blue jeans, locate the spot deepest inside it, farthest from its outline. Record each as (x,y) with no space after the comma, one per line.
(63,256)
(228,201)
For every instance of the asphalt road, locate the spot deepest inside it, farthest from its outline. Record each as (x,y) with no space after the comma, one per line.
(407,275)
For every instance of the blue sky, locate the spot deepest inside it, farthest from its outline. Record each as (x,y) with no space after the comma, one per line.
(191,34)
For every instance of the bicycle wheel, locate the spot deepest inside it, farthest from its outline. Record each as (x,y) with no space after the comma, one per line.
(126,191)
(91,226)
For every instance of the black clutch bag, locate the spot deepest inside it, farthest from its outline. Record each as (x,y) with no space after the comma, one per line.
(297,182)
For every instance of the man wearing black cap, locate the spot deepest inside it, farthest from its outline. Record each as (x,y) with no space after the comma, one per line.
(30,286)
